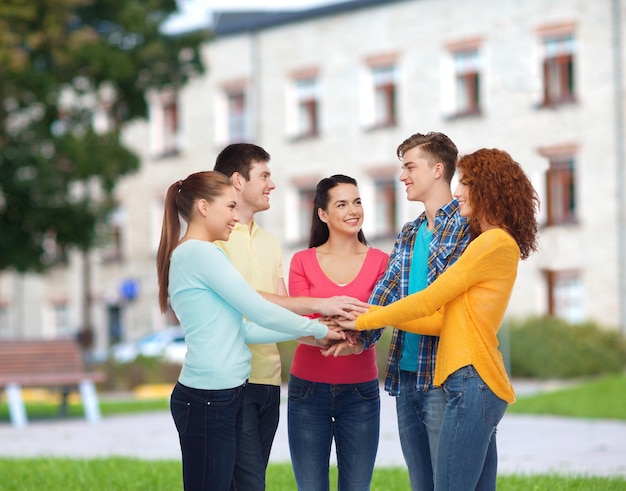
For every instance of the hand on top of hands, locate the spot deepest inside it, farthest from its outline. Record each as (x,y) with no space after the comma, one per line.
(341,340)
(340,323)
(343,306)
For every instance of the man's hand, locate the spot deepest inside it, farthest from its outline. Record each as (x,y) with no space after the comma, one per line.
(343,348)
(342,306)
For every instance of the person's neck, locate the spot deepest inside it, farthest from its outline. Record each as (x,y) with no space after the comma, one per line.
(341,245)
(433,204)
(246,216)
(195,232)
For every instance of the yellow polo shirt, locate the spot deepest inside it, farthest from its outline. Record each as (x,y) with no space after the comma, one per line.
(257,255)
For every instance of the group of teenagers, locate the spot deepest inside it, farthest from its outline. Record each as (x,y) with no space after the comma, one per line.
(444,290)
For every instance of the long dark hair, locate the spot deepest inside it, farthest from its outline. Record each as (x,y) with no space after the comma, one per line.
(319,229)
(179,200)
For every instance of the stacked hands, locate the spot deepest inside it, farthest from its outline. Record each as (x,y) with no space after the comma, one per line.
(342,338)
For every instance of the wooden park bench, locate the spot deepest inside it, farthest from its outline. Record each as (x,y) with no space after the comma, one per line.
(42,363)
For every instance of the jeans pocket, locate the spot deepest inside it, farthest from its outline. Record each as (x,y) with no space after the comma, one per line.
(180,413)
(493,407)
(368,390)
(298,389)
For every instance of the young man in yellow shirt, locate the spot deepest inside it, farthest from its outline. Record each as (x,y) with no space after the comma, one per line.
(257,255)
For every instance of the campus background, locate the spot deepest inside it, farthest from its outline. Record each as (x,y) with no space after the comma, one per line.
(335,89)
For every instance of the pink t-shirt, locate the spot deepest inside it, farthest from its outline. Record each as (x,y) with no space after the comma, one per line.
(306,279)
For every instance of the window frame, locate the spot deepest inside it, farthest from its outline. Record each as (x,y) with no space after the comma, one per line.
(470,76)
(558,65)
(237,115)
(557,157)
(557,284)
(165,128)
(561,190)
(306,89)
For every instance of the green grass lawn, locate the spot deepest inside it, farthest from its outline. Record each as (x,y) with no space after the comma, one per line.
(119,474)
(602,398)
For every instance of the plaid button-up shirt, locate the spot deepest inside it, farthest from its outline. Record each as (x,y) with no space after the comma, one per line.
(449,239)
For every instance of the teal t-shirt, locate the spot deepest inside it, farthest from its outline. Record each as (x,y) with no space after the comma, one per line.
(418,280)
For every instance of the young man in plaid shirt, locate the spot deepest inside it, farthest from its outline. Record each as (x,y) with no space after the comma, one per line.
(424,249)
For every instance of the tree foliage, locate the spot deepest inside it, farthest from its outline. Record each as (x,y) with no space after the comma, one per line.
(72,74)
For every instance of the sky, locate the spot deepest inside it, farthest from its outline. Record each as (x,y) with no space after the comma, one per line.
(196,13)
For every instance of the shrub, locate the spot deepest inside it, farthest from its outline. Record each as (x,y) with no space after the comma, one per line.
(143,370)
(547,347)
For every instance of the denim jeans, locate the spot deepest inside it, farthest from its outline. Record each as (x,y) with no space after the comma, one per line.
(467,458)
(260,414)
(419,422)
(317,413)
(207,422)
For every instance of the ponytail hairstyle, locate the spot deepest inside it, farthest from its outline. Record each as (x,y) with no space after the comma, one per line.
(319,229)
(179,201)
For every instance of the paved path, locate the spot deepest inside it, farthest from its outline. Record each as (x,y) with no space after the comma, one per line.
(527,444)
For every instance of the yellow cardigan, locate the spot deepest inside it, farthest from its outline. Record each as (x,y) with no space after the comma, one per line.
(474,293)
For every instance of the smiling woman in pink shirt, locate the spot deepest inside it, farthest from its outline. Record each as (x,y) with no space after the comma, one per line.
(335,398)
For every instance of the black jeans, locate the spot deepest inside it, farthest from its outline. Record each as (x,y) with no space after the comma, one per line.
(260,414)
(207,422)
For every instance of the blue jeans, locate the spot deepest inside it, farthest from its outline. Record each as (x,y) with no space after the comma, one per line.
(419,422)
(260,414)
(317,413)
(467,458)
(207,422)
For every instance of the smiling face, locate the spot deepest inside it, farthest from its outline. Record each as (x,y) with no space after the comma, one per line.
(462,195)
(220,215)
(344,213)
(418,174)
(254,193)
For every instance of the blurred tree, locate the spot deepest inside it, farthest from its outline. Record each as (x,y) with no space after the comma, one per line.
(72,74)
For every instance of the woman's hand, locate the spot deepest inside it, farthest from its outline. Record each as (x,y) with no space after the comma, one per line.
(341,305)
(333,336)
(343,323)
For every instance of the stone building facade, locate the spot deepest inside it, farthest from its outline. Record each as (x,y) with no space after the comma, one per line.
(335,89)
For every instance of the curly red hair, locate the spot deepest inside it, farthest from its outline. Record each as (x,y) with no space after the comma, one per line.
(501,194)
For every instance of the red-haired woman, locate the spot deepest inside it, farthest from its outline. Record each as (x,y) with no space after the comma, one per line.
(465,307)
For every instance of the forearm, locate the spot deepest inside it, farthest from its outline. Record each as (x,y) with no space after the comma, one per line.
(298,305)
(430,325)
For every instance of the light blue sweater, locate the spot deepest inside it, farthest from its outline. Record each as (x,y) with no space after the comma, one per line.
(211,299)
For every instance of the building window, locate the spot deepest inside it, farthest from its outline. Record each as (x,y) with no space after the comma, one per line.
(385,211)
(467,82)
(379,93)
(565,295)
(307,96)
(561,190)
(113,233)
(4,321)
(306,195)
(164,123)
(558,69)
(157,209)
(237,116)
(303,104)
(385,95)
(61,319)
